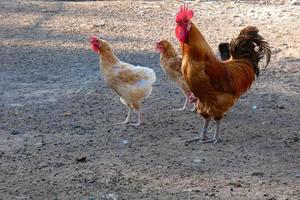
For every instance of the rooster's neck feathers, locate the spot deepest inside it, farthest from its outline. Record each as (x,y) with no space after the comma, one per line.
(197,45)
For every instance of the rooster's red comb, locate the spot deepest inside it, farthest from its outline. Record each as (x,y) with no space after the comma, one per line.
(184,13)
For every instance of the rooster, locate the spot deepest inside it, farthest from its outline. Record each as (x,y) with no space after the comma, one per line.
(170,62)
(218,84)
(131,83)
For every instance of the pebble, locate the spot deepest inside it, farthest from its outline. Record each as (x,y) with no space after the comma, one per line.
(257,174)
(125,141)
(81,159)
(197,160)
(15,132)
(280,107)
(67,114)
(98,24)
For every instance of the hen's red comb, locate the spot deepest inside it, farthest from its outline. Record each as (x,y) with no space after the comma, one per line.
(93,39)
(184,13)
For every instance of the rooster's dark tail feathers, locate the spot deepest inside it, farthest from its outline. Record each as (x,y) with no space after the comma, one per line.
(251,46)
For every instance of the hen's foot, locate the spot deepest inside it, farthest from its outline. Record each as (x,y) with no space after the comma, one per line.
(120,123)
(211,141)
(179,109)
(135,124)
(193,110)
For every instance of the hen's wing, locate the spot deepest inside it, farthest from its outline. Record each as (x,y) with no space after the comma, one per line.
(176,65)
(172,68)
(132,82)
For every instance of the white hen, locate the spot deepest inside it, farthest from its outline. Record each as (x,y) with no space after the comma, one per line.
(131,83)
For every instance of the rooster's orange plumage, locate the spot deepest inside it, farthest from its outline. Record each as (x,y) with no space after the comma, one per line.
(218,84)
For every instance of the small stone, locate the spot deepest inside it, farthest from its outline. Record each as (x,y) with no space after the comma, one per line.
(125,141)
(197,160)
(257,174)
(81,159)
(298,175)
(98,24)
(281,107)
(211,194)
(238,185)
(66,114)
(15,132)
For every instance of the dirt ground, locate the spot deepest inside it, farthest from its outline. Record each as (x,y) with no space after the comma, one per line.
(56,141)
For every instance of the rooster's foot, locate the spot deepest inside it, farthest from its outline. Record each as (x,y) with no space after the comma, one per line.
(201,139)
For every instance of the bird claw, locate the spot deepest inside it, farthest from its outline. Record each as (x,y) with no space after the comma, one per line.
(120,123)
(196,140)
(210,141)
(179,109)
(203,140)
(135,124)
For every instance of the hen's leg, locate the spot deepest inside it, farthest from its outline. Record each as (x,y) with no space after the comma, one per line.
(139,119)
(194,107)
(184,105)
(203,136)
(127,118)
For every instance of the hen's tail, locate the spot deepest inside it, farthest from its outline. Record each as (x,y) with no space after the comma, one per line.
(251,46)
(147,73)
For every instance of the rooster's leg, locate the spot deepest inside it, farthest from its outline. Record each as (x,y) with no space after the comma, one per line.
(215,139)
(204,129)
(184,105)
(139,119)
(203,136)
(217,133)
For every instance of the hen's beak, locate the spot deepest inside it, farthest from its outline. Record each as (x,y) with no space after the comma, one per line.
(157,46)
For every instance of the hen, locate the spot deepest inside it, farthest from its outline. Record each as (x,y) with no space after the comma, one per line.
(218,84)
(131,83)
(170,62)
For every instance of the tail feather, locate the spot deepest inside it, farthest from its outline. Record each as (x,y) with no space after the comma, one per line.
(149,74)
(224,51)
(251,46)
